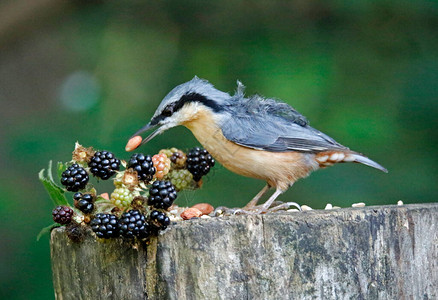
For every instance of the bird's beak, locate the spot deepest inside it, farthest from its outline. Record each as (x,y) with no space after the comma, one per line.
(145,128)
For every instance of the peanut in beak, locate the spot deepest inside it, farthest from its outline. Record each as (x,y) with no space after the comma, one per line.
(133,143)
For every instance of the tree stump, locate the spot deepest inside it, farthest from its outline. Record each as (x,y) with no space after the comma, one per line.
(384,252)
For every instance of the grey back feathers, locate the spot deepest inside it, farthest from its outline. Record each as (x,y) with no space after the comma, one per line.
(267,124)
(254,122)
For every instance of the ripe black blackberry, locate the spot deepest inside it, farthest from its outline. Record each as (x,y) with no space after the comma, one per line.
(105,225)
(161,219)
(104,165)
(133,224)
(199,162)
(84,202)
(143,165)
(75,178)
(62,214)
(162,194)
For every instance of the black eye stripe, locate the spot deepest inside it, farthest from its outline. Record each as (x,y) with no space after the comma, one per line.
(195,97)
(168,110)
(171,108)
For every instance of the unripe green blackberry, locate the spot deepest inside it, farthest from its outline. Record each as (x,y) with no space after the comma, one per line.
(181,179)
(104,165)
(105,225)
(122,197)
(75,178)
(167,152)
(143,165)
(133,224)
(84,202)
(162,194)
(160,218)
(62,214)
(199,162)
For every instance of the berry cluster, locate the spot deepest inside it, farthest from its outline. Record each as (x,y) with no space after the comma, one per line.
(143,191)
(143,165)
(179,158)
(105,225)
(62,214)
(104,165)
(160,218)
(84,202)
(122,197)
(199,162)
(181,179)
(133,224)
(162,194)
(75,178)
(161,164)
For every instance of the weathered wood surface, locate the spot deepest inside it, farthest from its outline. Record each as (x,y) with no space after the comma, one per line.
(385,252)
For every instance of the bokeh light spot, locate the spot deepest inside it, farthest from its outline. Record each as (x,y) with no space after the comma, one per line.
(80,91)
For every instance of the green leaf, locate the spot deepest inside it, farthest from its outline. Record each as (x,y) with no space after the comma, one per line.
(55,192)
(46,230)
(61,168)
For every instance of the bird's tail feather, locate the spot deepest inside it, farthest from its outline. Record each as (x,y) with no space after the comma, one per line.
(328,158)
(359,158)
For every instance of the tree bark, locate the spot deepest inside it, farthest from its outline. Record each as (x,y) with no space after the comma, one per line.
(385,252)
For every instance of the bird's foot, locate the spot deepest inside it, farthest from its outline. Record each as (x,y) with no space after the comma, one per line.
(225,211)
(284,206)
(255,210)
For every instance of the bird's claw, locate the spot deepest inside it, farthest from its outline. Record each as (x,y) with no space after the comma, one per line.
(284,206)
(225,211)
(255,210)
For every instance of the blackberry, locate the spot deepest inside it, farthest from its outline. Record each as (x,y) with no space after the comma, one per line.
(122,197)
(167,152)
(104,165)
(179,159)
(75,178)
(143,165)
(133,224)
(161,164)
(84,202)
(199,162)
(161,219)
(62,214)
(105,225)
(181,179)
(162,194)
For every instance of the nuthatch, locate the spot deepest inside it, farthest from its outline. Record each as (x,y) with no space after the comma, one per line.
(251,136)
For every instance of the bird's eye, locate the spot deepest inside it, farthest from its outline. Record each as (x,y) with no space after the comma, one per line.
(168,110)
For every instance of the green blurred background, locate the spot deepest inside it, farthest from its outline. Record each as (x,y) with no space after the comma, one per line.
(364,72)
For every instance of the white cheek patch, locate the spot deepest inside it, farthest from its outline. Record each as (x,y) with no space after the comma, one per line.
(177,117)
(187,113)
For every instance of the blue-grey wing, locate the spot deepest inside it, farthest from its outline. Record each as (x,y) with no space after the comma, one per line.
(276,133)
